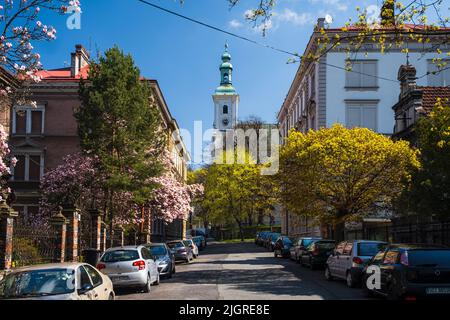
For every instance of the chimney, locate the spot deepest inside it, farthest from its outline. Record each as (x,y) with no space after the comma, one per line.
(320,23)
(79,59)
(388,13)
(407,78)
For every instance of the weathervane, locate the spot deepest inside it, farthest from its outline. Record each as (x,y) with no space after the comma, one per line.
(226,46)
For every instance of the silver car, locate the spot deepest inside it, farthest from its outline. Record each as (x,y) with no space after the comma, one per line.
(58,281)
(190,243)
(349,258)
(130,266)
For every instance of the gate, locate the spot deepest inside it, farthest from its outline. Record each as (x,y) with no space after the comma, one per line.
(33,245)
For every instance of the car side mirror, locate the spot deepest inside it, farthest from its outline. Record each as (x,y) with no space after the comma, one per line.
(85,288)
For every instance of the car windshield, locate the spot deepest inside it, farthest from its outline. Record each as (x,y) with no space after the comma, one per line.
(431,258)
(37,283)
(326,245)
(307,242)
(158,250)
(370,248)
(120,255)
(175,245)
(187,242)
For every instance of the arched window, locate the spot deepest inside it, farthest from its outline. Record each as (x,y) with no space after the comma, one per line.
(225,109)
(225,77)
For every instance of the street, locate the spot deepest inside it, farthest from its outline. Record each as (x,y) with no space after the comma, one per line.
(244,272)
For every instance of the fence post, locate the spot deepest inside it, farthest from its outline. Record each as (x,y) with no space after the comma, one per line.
(72,216)
(118,236)
(103,236)
(59,225)
(7,215)
(96,228)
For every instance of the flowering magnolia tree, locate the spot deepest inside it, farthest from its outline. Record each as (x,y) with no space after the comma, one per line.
(172,199)
(74,182)
(5,163)
(20,28)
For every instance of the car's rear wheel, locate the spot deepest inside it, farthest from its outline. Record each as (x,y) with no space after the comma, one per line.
(148,285)
(328,275)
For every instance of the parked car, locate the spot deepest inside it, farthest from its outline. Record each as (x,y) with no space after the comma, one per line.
(165,259)
(412,271)
(200,242)
(273,237)
(59,281)
(300,245)
(181,251)
(190,243)
(263,235)
(348,260)
(282,247)
(315,255)
(130,266)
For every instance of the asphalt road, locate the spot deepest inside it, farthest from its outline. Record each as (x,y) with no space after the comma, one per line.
(244,272)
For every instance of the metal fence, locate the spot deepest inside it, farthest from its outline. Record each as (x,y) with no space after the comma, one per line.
(33,245)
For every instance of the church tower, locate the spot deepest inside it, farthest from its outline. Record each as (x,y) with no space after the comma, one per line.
(226,99)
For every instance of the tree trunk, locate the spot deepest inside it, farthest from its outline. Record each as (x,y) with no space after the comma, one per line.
(338,231)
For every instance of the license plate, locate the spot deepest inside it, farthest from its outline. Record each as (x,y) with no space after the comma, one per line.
(438,290)
(119,278)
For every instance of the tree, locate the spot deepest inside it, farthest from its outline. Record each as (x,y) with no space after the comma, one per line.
(231,191)
(121,128)
(6,161)
(338,175)
(20,26)
(429,192)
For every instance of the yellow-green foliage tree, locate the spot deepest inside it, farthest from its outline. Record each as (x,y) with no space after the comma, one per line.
(429,192)
(233,189)
(338,174)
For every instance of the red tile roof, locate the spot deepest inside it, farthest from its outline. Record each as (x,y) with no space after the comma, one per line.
(430,95)
(63,74)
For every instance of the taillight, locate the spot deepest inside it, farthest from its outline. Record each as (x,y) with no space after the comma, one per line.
(101,266)
(404,259)
(410,298)
(358,260)
(140,264)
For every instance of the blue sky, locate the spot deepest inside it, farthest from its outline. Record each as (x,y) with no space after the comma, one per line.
(185,57)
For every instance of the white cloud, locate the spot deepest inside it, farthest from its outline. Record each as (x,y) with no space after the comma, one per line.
(299,19)
(235,24)
(340,5)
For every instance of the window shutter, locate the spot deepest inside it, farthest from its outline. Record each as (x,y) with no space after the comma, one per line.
(369,69)
(369,117)
(353,116)
(353,78)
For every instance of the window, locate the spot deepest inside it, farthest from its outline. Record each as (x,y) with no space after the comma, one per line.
(391,257)
(84,278)
(362,114)
(362,75)
(95,277)
(441,78)
(145,253)
(28,120)
(225,109)
(348,248)
(340,247)
(30,167)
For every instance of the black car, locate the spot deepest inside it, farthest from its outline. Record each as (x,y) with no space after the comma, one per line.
(410,271)
(283,247)
(165,259)
(315,255)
